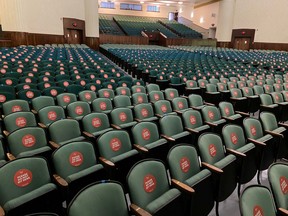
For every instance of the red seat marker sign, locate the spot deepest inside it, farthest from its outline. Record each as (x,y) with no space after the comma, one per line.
(23,178)
(76,158)
(149,183)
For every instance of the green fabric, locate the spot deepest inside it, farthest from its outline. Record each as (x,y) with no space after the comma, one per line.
(269,121)
(216,114)
(200,176)
(233,136)
(197,119)
(10,120)
(254,125)
(43,114)
(106,93)
(124,156)
(8,106)
(97,102)
(82,96)
(225,161)
(147,107)
(122,101)
(34,152)
(99,198)
(171,125)
(195,100)
(141,96)
(142,127)
(69,98)
(72,109)
(116,114)
(96,123)
(83,173)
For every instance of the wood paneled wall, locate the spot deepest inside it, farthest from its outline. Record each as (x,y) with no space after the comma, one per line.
(190,42)
(119,39)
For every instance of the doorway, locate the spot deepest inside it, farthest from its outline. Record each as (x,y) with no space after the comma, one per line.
(74,36)
(242,43)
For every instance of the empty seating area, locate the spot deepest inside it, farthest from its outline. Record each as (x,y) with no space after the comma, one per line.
(181,29)
(94,126)
(108,26)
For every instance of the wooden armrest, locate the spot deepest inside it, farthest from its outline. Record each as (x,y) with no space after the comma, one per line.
(209,104)
(183,96)
(182,186)
(88,134)
(227,118)
(167,138)
(211,124)
(6,133)
(136,119)
(11,156)
(212,167)
(140,148)
(34,111)
(256,142)
(42,125)
(234,152)
(69,117)
(238,99)
(283,125)
(60,180)
(283,211)
(116,126)
(274,133)
(242,113)
(2,212)
(54,144)
(106,162)
(191,130)
(177,111)
(158,115)
(139,211)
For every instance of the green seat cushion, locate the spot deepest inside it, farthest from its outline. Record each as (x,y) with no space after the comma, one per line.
(98,133)
(129,124)
(34,152)
(203,174)
(163,200)
(246,148)
(72,140)
(85,172)
(221,121)
(14,203)
(153,118)
(201,128)
(225,161)
(265,138)
(279,130)
(156,144)
(124,156)
(180,135)
(236,116)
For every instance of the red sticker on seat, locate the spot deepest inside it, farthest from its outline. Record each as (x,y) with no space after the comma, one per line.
(140,99)
(106,94)
(115,144)
(47,85)
(45,79)
(138,90)
(28,140)
(123,91)
(21,122)
(105,76)
(124,84)
(2,98)
(82,83)
(164,108)
(52,115)
(258,211)
(144,112)
(202,84)
(28,80)
(103,106)
(8,82)
(234,138)
(283,184)
(156,97)
(66,98)
(93,88)
(180,105)
(109,86)
(149,183)
(98,82)
(235,93)
(221,87)
(66,83)
(22,178)
(29,94)
(253,130)
(76,159)
(172,95)
(184,164)
(277,97)
(191,84)
(16,108)
(53,92)
(122,116)
(212,150)
(246,90)
(78,77)
(193,120)
(211,114)
(227,111)
(87,96)
(78,110)
(146,134)
(96,122)
(267,87)
(26,87)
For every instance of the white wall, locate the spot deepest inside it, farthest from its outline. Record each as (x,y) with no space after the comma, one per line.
(269,18)
(164,11)
(206,12)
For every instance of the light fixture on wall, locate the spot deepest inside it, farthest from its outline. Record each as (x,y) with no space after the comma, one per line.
(180,3)
(192,14)
(167,4)
(141,2)
(201,20)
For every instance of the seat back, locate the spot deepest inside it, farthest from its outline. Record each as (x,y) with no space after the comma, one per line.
(210,148)
(211,113)
(179,103)
(257,200)
(87,96)
(277,97)
(192,119)
(269,121)
(145,133)
(102,105)
(123,91)
(191,84)
(15,106)
(277,175)
(26,139)
(95,122)
(247,91)
(236,93)
(28,94)
(64,129)
(78,109)
(143,111)
(222,86)
(106,93)
(162,107)
(152,87)
(99,197)
(211,88)
(268,88)
(147,180)
(171,93)
(50,114)
(171,125)
(258,90)
(278,87)
(139,98)
(113,143)
(138,89)
(122,101)
(253,128)
(18,120)
(155,96)
(266,99)
(121,116)
(233,136)
(226,109)
(41,102)
(65,98)
(195,100)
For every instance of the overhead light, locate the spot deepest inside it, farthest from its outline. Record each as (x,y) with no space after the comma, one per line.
(192,14)
(141,2)
(201,20)
(167,4)
(180,3)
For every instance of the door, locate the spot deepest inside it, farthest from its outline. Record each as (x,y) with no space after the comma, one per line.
(242,43)
(74,36)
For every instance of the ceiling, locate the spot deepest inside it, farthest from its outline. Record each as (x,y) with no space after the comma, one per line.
(170,2)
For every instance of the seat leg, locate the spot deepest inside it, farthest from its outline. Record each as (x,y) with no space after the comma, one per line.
(239,189)
(217,208)
(258,177)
